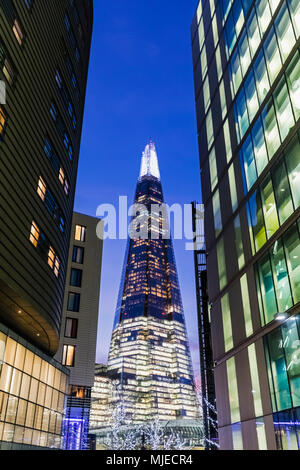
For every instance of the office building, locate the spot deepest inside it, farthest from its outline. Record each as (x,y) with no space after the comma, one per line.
(101,410)
(247,86)
(78,336)
(44,57)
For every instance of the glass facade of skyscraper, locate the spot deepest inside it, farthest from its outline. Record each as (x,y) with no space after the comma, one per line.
(149,360)
(247,88)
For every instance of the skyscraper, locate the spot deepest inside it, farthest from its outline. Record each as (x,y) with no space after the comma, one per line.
(44,58)
(247,85)
(149,360)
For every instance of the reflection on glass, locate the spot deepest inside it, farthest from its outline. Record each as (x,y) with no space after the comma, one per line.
(233,391)
(230,35)
(217,213)
(239,242)
(238,16)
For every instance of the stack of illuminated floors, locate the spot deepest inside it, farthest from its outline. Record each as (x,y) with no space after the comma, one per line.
(149,361)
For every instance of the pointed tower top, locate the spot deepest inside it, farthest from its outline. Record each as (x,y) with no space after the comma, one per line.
(149,166)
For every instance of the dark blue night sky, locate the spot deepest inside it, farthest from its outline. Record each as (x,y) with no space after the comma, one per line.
(140,87)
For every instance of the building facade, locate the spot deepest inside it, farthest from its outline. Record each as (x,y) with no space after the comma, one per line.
(247,86)
(44,57)
(149,360)
(78,336)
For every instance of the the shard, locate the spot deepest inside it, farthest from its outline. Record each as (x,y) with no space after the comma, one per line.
(149,359)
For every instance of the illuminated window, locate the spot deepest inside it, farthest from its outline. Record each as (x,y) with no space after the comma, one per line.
(223,99)
(61,176)
(227,141)
(68,356)
(2,122)
(76,277)
(219,63)
(71,328)
(206,94)
(80,233)
(285,33)
(8,71)
(272,55)
(239,242)
(221,264)
(253,32)
(34,234)
(56,266)
(78,255)
(232,187)
(41,189)
(215,30)
(213,169)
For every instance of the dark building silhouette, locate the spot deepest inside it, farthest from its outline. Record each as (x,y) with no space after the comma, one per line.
(149,360)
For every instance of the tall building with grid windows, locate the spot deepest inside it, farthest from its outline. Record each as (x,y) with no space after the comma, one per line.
(149,360)
(44,58)
(247,86)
